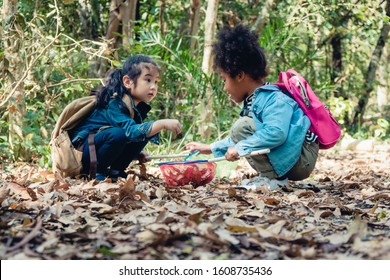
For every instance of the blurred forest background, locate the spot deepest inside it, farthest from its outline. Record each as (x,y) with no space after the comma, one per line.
(54,51)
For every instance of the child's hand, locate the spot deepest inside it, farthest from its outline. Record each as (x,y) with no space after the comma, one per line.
(142,157)
(203,148)
(232,154)
(172,125)
(169,124)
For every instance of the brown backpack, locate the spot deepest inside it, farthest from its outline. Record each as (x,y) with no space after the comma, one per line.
(66,160)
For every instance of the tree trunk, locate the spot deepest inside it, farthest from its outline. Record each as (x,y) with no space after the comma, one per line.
(263,16)
(85,16)
(161,17)
(113,21)
(122,14)
(337,61)
(195,17)
(121,19)
(128,13)
(383,89)
(207,104)
(12,73)
(89,18)
(371,72)
(111,38)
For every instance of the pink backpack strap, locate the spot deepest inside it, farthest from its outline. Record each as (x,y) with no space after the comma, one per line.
(292,72)
(283,81)
(283,78)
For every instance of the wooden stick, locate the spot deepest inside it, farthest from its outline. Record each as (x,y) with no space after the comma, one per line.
(166,156)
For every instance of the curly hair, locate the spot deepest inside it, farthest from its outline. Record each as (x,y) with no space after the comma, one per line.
(237,50)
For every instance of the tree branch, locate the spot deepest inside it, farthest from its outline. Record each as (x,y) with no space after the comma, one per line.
(25,74)
(64,82)
(27,71)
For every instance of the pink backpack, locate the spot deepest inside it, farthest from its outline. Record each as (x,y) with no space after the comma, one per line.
(322,123)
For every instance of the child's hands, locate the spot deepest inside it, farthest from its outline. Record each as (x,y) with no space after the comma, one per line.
(142,157)
(203,148)
(172,125)
(232,154)
(169,124)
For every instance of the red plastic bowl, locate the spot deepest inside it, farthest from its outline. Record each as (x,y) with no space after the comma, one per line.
(182,174)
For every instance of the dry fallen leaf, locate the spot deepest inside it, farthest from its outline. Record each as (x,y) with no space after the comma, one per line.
(4,192)
(342,210)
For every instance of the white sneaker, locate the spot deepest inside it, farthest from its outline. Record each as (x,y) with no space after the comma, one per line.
(255,182)
(276,184)
(263,183)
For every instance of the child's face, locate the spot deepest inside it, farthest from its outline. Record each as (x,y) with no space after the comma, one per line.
(235,87)
(147,85)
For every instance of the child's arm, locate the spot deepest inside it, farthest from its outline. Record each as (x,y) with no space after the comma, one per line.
(203,148)
(230,155)
(169,124)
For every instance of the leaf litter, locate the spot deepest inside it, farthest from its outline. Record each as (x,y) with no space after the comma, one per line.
(341,212)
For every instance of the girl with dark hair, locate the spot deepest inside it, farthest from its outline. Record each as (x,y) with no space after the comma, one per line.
(120,133)
(269,118)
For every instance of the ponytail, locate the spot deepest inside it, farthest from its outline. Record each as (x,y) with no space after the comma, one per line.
(114,85)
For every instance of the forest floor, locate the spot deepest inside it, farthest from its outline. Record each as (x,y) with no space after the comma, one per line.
(341,212)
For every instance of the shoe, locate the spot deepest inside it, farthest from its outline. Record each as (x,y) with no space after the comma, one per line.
(115,174)
(263,183)
(276,184)
(253,183)
(100,177)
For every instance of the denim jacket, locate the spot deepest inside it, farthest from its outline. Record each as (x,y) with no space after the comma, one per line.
(113,116)
(281,126)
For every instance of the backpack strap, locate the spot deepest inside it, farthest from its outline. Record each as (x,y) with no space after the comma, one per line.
(92,156)
(129,104)
(284,84)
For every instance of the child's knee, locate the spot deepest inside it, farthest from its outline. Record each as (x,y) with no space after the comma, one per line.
(114,135)
(242,128)
(306,162)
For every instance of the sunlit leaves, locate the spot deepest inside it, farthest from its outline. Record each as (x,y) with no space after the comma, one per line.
(342,211)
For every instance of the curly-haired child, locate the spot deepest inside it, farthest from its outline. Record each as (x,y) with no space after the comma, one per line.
(269,118)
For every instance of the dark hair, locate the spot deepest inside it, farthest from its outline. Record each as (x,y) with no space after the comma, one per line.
(114,87)
(237,50)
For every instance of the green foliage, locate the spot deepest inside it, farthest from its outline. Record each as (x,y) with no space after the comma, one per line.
(382,215)
(65,60)
(296,35)
(4,144)
(376,128)
(183,84)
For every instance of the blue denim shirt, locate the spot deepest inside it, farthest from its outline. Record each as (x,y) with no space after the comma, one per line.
(113,116)
(281,126)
